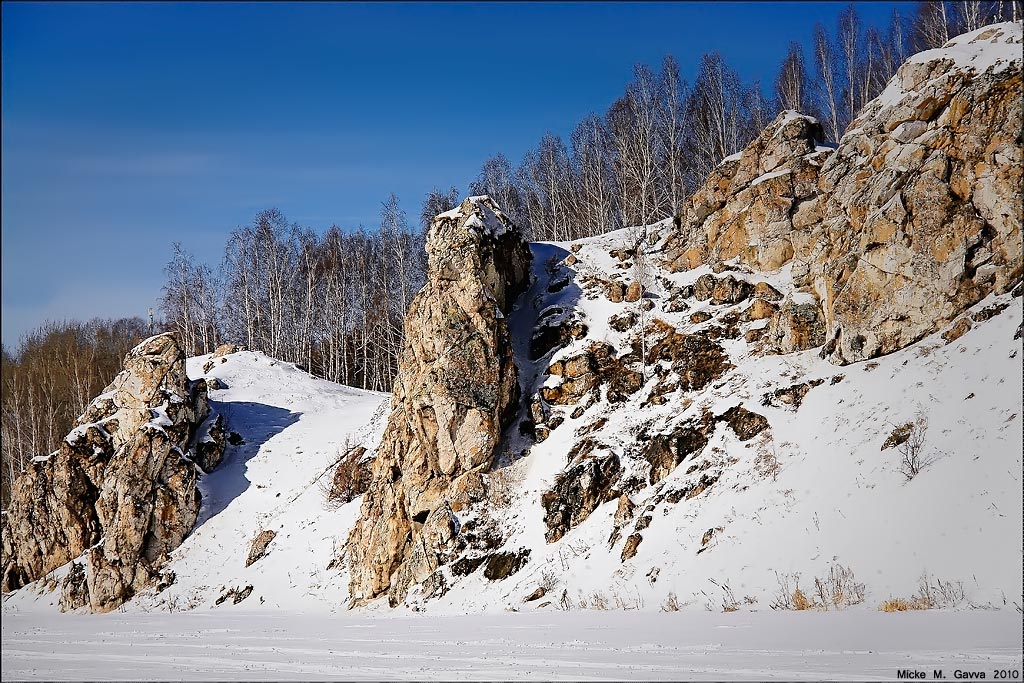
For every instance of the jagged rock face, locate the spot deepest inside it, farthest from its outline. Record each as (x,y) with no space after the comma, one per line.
(585,373)
(754,205)
(665,451)
(923,212)
(579,491)
(456,391)
(796,326)
(119,486)
(913,218)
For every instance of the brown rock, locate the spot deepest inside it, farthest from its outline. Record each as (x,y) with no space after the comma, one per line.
(700,317)
(624,511)
(962,326)
(536,595)
(615,291)
(791,396)
(664,452)
(502,565)
(634,292)
(745,423)
(796,327)
(724,290)
(622,322)
(258,549)
(577,492)
(351,476)
(759,310)
(118,486)
(456,391)
(697,359)
(629,549)
(227,349)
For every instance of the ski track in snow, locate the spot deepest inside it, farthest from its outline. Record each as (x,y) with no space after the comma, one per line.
(851,645)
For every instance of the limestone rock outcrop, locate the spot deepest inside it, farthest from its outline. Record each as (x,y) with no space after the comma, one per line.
(923,210)
(456,391)
(757,203)
(579,491)
(120,487)
(914,217)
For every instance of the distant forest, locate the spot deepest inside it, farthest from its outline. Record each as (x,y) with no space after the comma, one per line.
(334,303)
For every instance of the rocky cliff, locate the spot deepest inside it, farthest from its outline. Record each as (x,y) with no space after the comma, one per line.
(120,493)
(914,217)
(456,391)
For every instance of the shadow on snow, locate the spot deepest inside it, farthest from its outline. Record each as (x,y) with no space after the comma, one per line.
(257,423)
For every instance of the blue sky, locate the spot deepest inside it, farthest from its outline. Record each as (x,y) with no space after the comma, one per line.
(129,126)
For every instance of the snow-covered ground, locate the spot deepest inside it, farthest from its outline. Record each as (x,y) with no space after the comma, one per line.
(243,645)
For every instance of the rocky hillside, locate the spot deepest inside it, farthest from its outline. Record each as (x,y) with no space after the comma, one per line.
(810,388)
(914,217)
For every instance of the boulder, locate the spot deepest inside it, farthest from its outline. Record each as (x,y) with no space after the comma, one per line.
(796,326)
(585,373)
(577,492)
(723,290)
(696,358)
(744,423)
(258,548)
(664,452)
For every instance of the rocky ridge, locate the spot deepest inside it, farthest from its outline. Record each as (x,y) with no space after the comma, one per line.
(912,218)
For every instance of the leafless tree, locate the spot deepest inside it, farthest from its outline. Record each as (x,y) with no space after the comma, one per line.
(437,202)
(595,176)
(715,119)
(825,65)
(791,91)
(933,25)
(671,124)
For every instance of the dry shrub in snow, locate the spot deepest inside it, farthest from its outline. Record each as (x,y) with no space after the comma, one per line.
(548,580)
(767,464)
(671,603)
(895,605)
(909,440)
(789,597)
(839,589)
(932,593)
(912,457)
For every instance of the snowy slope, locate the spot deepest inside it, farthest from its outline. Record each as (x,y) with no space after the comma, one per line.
(838,497)
(294,427)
